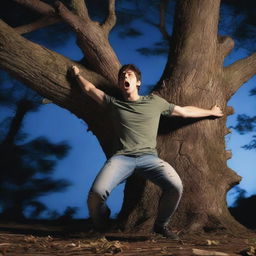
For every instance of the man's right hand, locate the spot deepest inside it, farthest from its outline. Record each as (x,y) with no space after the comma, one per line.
(75,70)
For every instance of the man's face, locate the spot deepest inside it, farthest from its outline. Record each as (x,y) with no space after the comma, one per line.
(128,81)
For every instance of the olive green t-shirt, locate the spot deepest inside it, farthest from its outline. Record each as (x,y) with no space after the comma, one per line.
(136,123)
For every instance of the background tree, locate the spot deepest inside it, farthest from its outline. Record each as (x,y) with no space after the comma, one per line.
(244,209)
(194,75)
(26,165)
(243,22)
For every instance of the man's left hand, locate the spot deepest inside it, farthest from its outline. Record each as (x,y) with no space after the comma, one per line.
(216,111)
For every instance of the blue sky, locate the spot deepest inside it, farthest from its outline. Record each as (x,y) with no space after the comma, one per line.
(86,157)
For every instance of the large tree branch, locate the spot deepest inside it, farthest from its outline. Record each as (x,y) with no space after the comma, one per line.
(49,13)
(79,8)
(92,40)
(226,45)
(47,10)
(239,72)
(38,6)
(68,16)
(91,37)
(40,23)
(163,7)
(110,22)
(43,70)
(46,72)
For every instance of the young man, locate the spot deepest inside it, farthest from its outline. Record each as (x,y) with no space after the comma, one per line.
(136,120)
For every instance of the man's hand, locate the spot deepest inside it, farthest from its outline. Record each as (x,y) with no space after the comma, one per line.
(216,111)
(75,71)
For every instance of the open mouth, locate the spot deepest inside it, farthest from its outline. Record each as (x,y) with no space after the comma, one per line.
(126,84)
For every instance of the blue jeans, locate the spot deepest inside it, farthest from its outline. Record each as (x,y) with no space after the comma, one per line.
(118,168)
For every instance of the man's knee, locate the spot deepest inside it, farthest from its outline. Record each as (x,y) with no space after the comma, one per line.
(175,187)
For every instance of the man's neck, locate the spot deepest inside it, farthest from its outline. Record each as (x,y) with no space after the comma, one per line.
(131,97)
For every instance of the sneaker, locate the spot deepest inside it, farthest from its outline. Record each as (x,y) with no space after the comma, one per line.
(103,223)
(165,232)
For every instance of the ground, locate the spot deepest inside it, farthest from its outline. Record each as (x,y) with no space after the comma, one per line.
(56,238)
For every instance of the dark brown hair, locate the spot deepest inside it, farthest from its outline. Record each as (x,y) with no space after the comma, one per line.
(130,67)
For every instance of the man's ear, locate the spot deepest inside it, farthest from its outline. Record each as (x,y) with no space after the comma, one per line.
(138,85)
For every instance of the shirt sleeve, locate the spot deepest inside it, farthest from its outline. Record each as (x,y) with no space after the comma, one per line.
(166,107)
(169,110)
(107,99)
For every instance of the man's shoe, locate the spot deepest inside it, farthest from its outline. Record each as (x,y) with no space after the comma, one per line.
(165,232)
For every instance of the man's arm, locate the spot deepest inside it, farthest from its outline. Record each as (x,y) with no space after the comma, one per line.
(195,112)
(88,87)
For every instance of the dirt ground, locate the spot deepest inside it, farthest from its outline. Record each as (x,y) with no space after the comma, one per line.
(34,239)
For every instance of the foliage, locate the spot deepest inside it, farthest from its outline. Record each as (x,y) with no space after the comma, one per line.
(243,17)
(247,124)
(26,165)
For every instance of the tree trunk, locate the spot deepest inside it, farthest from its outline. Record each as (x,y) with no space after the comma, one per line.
(195,148)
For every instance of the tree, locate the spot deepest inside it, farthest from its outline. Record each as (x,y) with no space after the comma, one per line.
(194,75)
(244,209)
(25,164)
(243,22)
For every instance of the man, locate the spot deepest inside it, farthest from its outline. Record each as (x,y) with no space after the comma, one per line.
(136,120)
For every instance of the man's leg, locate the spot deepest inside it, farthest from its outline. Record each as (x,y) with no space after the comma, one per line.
(163,174)
(116,170)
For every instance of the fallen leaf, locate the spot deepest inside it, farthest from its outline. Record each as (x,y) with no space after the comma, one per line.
(208,253)
(5,244)
(250,251)
(30,239)
(212,242)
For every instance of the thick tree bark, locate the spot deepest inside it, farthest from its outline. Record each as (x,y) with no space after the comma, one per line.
(194,75)
(195,148)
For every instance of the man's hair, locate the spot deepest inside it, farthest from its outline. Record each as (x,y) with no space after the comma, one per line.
(130,67)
